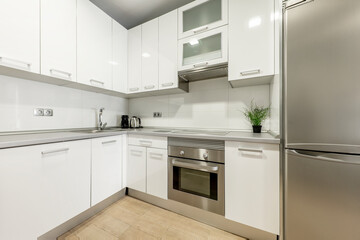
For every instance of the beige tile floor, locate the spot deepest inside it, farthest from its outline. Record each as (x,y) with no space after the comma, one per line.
(133,219)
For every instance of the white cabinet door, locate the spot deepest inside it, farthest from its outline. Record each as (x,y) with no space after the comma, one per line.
(58,39)
(134,60)
(251,38)
(94,48)
(252,185)
(20,34)
(150,55)
(206,49)
(106,168)
(42,187)
(202,15)
(119,57)
(168,75)
(136,168)
(156,172)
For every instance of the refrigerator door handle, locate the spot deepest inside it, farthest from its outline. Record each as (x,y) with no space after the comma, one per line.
(330,157)
(295,3)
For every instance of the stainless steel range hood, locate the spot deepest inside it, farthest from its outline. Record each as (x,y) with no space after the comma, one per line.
(204,73)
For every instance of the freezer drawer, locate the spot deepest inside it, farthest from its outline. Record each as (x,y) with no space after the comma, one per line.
(322,196)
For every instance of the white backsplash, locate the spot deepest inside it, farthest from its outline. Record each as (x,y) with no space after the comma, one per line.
(209,104)
(72,108)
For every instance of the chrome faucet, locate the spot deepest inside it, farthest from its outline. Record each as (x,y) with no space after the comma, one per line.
(101,124)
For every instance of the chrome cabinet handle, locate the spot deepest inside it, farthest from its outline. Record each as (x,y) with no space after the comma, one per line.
(201,64)
(61,73)
(15,62)
(250,150)
(96,81)
(133,89)
(111,141)
(250,72)
(55,151)
(157,155)
(179,163)
(200,29)
(149,86)
(136,152)
(167,84)
(147,143)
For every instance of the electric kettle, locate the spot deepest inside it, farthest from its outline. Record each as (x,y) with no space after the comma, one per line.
(135,122)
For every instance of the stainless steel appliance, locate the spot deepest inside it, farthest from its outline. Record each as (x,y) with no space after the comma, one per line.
(135,122)
(322,113)
(196,173)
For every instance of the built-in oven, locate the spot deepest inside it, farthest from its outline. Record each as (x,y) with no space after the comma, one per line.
(196,173)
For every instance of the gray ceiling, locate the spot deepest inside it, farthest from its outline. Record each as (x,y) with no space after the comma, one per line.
(131,13)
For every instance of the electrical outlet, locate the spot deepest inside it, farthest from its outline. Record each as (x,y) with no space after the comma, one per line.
(157,114)
(38,112)
(48,112)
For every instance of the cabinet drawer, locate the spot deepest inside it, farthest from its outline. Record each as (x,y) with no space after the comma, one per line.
(148,141)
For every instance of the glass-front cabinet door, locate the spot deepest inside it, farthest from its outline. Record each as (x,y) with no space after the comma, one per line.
(202,15)
(206,49)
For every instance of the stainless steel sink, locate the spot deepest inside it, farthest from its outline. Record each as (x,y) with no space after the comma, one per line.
(100,131)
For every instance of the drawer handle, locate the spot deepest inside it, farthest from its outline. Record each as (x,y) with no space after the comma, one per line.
(251,72)
(59,73)
(201,64)
(147,143)
(16,63)
(167,84)
(133,89)
(55,151)
(136,152)
(250,150)
(111,141)
(200,29)
(149,87)
(157,155)
(96,81)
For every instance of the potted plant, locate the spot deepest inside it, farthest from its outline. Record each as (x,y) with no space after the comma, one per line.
(256,115)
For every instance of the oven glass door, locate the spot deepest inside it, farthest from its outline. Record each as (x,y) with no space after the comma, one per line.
(201,182)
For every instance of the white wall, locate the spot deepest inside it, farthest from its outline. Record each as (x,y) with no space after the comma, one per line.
(209,104)
(72,108)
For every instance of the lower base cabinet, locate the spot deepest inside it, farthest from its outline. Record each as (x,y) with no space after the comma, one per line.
(147,165)
(106,169)
(156,172)
(252,178)
(42,186)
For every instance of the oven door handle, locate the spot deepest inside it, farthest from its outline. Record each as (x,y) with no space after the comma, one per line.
(211,168)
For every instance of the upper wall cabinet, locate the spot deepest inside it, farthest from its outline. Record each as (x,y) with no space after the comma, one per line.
(119,57)
(202,15)
(150,55)
(168,77)
(20,34)
(251,41)
(134,60)
(58,39)
(208,48)
(94,43)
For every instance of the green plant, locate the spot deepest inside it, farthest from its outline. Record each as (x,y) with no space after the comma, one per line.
(256,114)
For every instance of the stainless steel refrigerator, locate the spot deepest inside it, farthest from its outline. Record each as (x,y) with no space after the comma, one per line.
(322,120)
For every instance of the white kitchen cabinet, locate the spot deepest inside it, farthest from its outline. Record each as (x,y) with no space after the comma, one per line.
(205,49)
(136,168)
(148,141)
(20,34)
(202,15)
(252,177)
(94,46)
(42,187)
(251,41)
(106,169)
(134,60)
(168,75)
(150,55)
(119,57)
(156,172)
(58,39)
